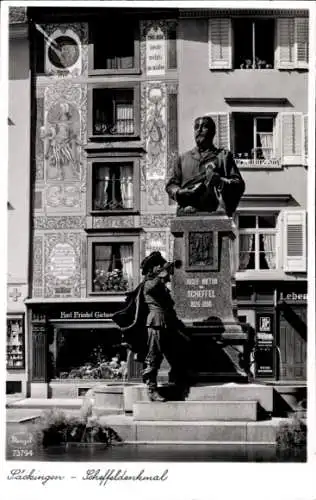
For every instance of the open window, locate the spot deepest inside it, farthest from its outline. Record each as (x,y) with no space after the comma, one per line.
(114,46)
(114,110)
(253,42)
(254,138)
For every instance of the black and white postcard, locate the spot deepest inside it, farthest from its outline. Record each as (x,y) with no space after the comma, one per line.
(158,167)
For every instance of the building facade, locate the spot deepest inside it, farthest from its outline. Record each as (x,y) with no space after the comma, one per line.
(18,202)
(248,69)
(109,117)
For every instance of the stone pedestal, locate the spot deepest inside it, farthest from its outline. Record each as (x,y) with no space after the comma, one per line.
(202,287)
(39,390)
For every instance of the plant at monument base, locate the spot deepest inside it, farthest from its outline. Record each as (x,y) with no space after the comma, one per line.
(110,281)
(291,440)
(57,428)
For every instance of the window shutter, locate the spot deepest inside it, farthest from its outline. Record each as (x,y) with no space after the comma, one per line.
(277,135)
(285,50)
(222,135)
(305,138)
(172,135)
(220,43)
(172,46)
(294,241)
(291,137)
(301,42)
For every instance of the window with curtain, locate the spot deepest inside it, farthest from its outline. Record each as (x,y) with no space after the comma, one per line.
(257,242)
(113,186)
(254,137)
(112,267)
(114,44)
(113,112)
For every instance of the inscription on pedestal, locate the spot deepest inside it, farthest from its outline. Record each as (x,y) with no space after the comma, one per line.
(201,292)
(202,286)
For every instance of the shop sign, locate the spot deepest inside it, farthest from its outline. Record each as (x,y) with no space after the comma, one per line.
(78,314)
(265,346)
(83,315)
(293,296)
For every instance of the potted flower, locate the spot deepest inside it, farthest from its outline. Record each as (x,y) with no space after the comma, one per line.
(110,281)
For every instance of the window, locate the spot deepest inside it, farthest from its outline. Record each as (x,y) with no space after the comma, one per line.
(88,354)
(15,342)
(257,242)
(258,43)
(112,267)
(254,138)
(113,262)
(114,47)
(253,43)
(114,110)
(113,186)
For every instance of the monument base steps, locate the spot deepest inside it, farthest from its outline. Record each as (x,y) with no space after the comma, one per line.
(224,392)
(187,411)
(189,432)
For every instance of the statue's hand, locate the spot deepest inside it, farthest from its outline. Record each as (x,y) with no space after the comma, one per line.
(226,181)
(216,180)
(185,196)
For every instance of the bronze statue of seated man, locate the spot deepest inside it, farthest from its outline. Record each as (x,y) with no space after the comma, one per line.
(206,178)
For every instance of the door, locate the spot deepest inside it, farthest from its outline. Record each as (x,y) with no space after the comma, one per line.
(293,342)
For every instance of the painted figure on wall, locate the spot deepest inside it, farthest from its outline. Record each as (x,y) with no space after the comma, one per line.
(206,178)
(62,143)
(156,132)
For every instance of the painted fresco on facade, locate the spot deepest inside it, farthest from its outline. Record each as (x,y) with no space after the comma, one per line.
(66,49)
(156,241)
(61,137)
(62,264)
(156,144)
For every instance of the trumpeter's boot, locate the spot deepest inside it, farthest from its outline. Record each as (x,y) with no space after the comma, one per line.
(153,392)
(155,396)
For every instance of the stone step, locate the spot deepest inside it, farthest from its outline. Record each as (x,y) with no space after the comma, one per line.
(46,404)
(232,392)
(204,431)
(192,432)
(227,392)
(221,411)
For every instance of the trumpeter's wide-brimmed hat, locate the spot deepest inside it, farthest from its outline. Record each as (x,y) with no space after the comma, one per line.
(154,262)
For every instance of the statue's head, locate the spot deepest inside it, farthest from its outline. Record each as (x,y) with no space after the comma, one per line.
(204,131)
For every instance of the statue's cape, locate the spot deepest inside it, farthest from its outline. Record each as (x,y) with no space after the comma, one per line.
(132,322)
